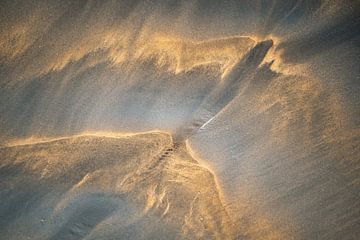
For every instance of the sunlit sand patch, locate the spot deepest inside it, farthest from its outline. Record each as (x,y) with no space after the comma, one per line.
(167,183)
(175,53)
(44,139)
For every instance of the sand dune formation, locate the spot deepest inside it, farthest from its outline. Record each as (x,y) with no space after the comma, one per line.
(179,119)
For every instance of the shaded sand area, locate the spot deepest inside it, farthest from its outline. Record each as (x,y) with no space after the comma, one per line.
(137,186)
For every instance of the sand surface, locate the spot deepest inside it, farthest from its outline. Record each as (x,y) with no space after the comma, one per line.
(239,119)
(124,187)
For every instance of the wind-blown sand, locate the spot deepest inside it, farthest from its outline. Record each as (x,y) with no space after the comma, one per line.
(124,187)
(265,92)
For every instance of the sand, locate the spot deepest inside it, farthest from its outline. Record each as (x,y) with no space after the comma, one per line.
(126,187)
